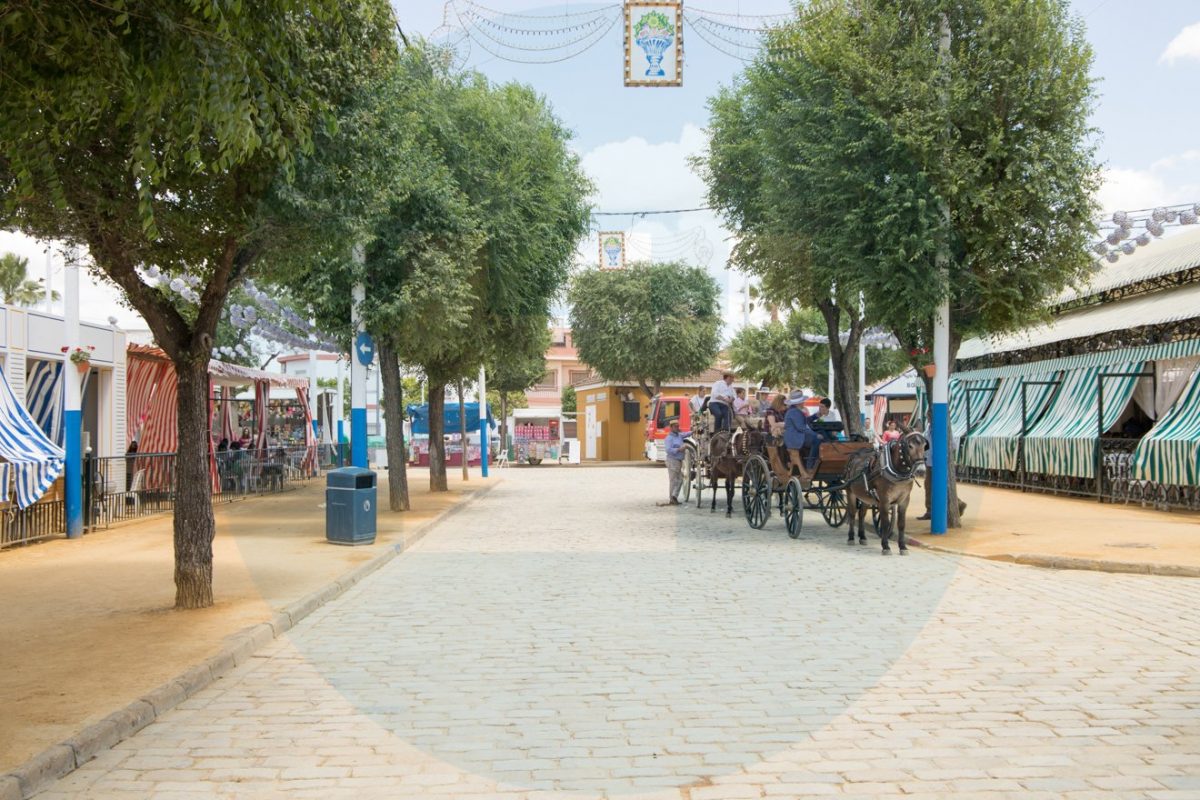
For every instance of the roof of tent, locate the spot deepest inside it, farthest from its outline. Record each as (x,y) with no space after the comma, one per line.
(223,374)
(1167,256)
(420,418)
(902,385)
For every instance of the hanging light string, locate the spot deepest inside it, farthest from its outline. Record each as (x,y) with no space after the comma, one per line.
(1120,230)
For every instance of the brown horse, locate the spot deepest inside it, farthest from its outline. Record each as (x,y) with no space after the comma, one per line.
(883,479)
(723,463)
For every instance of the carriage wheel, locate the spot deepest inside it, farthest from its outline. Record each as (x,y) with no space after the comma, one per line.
(756,491)
(793,508)
(834,508)
(689,462)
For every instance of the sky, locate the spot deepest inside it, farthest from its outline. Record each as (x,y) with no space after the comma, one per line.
(635,142)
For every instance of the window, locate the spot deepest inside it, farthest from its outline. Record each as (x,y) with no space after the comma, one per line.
(578,376)
(548,383)
(667,411)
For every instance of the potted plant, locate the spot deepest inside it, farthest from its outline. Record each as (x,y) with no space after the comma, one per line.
(81,357)
(922,354)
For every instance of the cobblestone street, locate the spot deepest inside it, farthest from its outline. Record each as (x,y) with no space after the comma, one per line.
(565,637)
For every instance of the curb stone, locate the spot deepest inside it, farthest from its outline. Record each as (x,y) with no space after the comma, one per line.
(1072,562)
(61,759)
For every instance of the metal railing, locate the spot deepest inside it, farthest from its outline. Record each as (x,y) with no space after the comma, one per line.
(43,520)
(1116,482)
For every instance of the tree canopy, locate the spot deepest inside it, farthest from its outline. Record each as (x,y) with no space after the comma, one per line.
(647,323)
(158,162)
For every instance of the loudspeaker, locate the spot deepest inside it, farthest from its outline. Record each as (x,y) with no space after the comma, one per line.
(631,411)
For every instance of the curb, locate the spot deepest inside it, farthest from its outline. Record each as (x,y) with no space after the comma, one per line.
(1072,562)
(61,759)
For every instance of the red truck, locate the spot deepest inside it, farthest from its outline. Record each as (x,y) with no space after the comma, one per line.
(663,409)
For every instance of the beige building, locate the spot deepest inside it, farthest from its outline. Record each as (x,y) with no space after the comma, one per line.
(563,368)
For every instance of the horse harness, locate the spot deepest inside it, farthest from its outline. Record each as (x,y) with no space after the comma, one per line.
(886,468)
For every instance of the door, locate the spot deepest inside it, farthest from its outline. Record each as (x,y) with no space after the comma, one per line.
(590,431)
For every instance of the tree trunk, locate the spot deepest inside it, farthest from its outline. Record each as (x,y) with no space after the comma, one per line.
(393,412)
(194,523)
(845,367)
(437,444)
(462,431)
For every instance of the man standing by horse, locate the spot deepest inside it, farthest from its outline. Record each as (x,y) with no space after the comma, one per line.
(674,447)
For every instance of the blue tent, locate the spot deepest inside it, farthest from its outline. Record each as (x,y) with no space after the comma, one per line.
(420,418)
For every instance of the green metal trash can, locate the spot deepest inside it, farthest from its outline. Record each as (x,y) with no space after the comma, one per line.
(350,506)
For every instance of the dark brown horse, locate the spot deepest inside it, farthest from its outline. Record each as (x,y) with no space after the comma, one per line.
(883,479)
(724,462)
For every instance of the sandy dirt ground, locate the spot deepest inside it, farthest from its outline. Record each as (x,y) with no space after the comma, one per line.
(1005,522)
(88,625)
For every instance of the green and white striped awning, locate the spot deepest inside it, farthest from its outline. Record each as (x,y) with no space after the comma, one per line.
(957,403)
(992,443)
(1107,358)
(1063,442)
(1170,452)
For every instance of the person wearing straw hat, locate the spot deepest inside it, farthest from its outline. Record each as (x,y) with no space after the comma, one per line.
(798,435)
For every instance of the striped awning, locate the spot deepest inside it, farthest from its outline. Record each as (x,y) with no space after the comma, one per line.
(35,462)
(1063,442)
(982,392)
(992,443)
(1107,358)
(1170,452)
(44,397)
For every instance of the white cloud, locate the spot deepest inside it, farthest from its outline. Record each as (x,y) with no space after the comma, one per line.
(1168,181)
(635,175)
(1184,46)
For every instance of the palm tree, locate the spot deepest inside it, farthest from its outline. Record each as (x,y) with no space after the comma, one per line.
(15,289)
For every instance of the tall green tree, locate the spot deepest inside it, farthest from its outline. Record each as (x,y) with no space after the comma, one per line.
(16,289)
(931,148)
(783,353)
(515,366)
(150,134)
(648,323)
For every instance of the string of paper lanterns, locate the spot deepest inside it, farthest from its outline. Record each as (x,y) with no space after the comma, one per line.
(1123,238)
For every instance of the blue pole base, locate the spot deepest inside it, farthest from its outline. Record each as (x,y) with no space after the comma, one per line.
(341,440)
(73,472)
(940,480)
(358,437)
(483,444)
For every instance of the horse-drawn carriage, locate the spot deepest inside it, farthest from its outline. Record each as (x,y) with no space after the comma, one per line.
(849,478)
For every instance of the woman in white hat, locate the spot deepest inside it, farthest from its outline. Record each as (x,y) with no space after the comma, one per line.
(798,436)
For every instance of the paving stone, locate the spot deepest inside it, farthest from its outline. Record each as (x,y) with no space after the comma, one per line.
(564,637)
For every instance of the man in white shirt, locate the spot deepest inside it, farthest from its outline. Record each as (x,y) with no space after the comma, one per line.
(696,404)
(720,402)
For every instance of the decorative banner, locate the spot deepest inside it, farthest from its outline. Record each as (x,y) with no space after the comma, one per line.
(612,250)
(654,43)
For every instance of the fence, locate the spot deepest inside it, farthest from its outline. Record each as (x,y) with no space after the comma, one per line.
(1115,485)
(140,484)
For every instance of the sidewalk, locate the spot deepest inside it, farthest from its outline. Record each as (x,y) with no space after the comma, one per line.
(1066,532)
(88,626)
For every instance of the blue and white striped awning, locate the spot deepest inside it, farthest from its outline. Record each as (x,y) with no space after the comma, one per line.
(34,461)
(44,397)
(1063,442)
(981,392)
(1170,453)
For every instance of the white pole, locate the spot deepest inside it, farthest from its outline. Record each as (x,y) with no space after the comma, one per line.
(72,418)
(313,388)
(49,295)
(939,416)
(358,376)
(830,395)
(483,425)
(862,362)
(339,398)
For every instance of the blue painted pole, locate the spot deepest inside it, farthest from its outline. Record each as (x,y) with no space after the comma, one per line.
(483,424)
(72,418)
(341,442)
(940,485)
(358,381)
